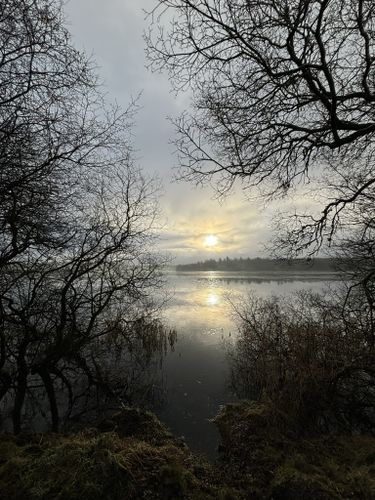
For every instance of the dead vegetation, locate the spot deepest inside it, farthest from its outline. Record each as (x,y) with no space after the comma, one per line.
(310,359)
(133,456)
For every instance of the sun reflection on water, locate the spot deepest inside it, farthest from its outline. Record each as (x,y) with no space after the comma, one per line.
(212,299)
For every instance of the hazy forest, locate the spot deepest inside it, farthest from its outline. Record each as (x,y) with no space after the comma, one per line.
(318,265)
(279,103)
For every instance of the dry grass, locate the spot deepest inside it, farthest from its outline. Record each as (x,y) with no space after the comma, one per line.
(269,460)
(137,459)
(310,361)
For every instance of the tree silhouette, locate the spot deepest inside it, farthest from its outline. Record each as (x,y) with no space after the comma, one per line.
(283,93)
(77,269)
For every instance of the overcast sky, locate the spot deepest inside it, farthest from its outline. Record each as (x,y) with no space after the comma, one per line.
(111,31)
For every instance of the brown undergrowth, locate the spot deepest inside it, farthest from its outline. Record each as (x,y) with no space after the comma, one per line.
(133,456)
(264,456)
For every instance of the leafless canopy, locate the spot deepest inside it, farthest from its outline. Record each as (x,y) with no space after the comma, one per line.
(77,217)
(284,93)
(283,90)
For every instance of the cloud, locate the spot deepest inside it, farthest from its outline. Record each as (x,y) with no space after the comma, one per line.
(238,225)
(113,31)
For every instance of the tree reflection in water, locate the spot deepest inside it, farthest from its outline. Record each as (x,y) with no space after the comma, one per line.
(118,372)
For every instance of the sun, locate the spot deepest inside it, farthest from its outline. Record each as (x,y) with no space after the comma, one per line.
(210,240)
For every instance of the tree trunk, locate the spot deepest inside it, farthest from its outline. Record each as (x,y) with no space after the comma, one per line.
(50,390)
(5,383)
(20,396)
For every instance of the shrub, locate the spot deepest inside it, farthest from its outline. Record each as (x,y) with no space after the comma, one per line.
(310,359)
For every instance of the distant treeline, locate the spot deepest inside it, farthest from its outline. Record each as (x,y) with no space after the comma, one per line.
(318,265)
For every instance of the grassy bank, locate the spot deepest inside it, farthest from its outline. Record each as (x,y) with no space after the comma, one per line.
(264,457)
(133,456)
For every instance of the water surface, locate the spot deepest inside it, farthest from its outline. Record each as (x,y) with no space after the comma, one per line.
(196,373)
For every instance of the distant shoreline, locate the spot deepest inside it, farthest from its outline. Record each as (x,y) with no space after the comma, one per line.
(269,267)
(261,276)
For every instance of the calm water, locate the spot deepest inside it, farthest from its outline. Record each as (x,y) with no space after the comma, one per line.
(196,373)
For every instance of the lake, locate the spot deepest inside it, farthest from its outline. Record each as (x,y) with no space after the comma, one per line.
(196,373)
(191,384)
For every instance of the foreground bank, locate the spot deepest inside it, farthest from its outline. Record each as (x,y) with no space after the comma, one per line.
(133,456)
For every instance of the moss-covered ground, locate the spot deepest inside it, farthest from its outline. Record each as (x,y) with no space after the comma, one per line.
(264,457)
(133,456)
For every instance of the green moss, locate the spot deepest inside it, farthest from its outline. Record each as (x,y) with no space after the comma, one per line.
(140,424)
(68,467)
(131,461)
(264,455)
(291,483)
(133,456)
(8,448)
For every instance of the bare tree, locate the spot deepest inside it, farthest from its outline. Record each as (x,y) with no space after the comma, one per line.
(45,88)
(61,310)
(283,95)
(283,91)
(78,269)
